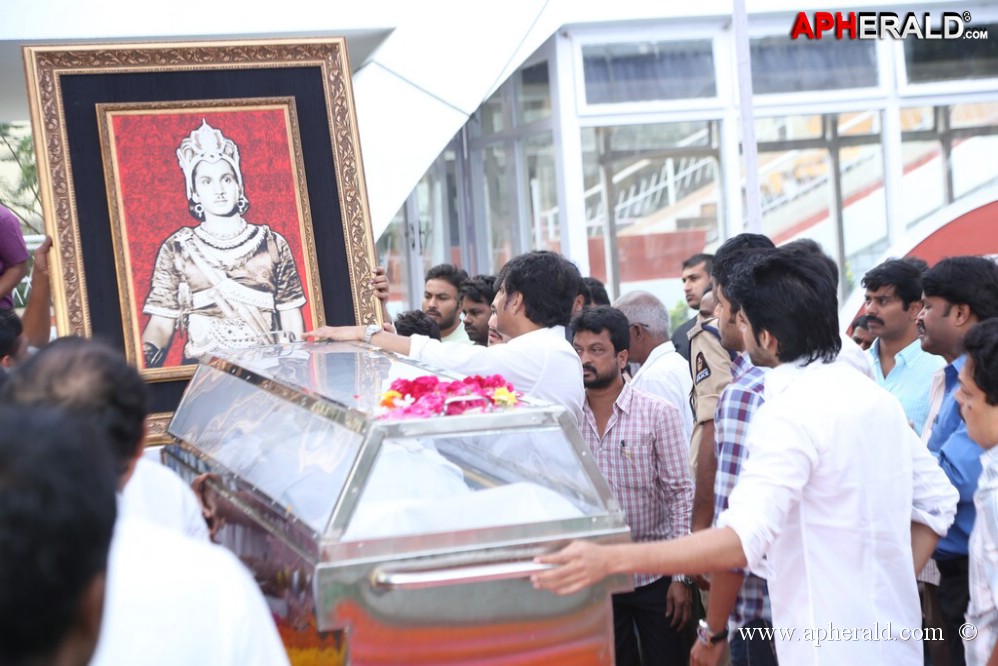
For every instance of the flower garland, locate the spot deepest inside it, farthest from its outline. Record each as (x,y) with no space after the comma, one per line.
(428,396)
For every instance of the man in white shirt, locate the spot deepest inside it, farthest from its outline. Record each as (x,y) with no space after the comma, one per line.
(160,581)
(663,371)
(838,494)
(94,380)
(442,301)
(173,600)
(532,306)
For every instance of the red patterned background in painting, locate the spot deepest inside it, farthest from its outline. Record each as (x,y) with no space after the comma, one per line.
(154,195)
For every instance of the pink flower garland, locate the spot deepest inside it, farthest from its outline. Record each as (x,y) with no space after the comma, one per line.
(428,396)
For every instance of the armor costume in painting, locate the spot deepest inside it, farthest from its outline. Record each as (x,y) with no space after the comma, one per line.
(225,294)
(226,283)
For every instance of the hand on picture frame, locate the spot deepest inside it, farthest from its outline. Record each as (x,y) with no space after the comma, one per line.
(382,288)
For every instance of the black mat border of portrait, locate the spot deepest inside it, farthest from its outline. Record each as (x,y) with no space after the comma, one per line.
(82,92)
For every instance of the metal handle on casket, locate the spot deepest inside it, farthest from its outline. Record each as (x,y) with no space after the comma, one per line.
(387,579)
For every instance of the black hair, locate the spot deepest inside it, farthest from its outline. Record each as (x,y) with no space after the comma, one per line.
(548,283)
(449,273)
(708,303)
(698,259)
(731,252)
(791,295)
(89,379)
(597,291)
(582,289)
(921,264)
(416,322)
(903,275)
(480,289)
(601,318)
(862,321)
(57,513)
(981,345)
(970,281)
(10,330)
(812,247)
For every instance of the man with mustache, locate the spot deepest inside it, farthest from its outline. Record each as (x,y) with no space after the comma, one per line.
(893,301)
(957,293)
(442,301)
(900,365)
(639,443)
(838,501)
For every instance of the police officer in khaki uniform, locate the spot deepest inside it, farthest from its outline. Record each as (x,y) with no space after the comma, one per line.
(710,365)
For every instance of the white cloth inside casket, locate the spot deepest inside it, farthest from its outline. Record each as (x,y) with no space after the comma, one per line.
(412,489)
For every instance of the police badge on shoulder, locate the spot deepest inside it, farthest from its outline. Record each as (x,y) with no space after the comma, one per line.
(702,370)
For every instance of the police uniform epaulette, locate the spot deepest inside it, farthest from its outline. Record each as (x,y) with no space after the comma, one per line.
(717,334)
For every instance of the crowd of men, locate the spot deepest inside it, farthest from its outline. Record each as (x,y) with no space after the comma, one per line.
(845,495)
(774,472)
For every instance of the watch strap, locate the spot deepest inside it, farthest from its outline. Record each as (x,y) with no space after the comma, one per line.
(370,332)
(708,637)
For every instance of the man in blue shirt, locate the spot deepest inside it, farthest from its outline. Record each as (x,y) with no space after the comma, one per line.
(957,293)
(893,301)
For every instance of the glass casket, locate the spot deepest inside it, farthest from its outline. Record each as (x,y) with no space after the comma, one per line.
(380,540)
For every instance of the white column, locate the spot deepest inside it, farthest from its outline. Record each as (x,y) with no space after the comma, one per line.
(743,60)
(890,136)
(568,149)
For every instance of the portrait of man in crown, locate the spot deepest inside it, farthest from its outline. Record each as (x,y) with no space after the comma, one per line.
(205,278)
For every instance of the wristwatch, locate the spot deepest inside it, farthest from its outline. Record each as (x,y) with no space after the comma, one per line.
(682,578)
(370,331)
(709,638)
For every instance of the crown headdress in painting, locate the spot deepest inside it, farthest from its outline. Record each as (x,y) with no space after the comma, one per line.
(206,144)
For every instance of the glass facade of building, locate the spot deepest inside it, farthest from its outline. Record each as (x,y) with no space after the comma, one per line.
(620,147)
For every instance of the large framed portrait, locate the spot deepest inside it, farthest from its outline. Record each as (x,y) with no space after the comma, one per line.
(197,272)
(201,196)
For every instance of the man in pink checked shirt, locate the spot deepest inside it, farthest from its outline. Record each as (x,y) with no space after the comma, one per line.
(638,442)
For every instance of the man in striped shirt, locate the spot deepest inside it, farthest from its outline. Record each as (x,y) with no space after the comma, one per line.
(638,442)
(738,599)
(978,401)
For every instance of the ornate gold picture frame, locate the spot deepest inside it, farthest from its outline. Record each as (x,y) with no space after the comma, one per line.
(112,123)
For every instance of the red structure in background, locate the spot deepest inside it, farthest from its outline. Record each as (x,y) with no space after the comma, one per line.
(660,255)
(973,233)
(648,257)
